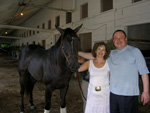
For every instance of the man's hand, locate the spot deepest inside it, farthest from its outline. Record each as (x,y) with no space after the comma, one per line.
(145,94)
(145,97)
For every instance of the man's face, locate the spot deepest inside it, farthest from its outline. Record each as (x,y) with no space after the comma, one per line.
(120,41)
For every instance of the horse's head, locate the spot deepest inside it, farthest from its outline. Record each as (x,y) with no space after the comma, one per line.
(70,46)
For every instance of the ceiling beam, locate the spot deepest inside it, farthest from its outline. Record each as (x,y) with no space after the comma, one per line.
(11,37)
(25,28)
(51,8)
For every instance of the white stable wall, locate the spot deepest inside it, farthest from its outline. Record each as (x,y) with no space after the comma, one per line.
(101,24)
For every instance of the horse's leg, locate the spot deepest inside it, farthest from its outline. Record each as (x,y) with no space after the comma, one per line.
(22,99)
(63,93)
(31,93)
(22,90)
(48,94)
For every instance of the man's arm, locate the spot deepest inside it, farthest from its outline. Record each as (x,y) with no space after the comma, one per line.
(86,55)
(145,95)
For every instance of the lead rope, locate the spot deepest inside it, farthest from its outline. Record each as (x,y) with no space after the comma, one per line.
(62,48)
(80,86)
(65,54)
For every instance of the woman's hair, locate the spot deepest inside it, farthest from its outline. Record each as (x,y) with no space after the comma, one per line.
(96,45)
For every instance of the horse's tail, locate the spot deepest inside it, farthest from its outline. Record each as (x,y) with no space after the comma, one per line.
(28,84)
(22,58)
(25,76)
(26,80)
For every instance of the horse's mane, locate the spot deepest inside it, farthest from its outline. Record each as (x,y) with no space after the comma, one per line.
(54,52)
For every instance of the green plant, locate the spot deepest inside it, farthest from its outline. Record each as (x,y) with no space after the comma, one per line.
(111,44)
(5,45)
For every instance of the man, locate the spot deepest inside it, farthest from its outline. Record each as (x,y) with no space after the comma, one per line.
(126,63)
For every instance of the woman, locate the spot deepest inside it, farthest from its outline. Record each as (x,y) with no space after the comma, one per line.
(98,89)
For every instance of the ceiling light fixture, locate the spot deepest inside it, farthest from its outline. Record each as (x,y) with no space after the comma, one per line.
(21,14)
(6,32)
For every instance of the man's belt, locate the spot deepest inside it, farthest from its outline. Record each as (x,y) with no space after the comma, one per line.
(99,88)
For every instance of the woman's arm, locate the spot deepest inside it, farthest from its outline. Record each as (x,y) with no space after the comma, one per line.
(86,55)
(84,66)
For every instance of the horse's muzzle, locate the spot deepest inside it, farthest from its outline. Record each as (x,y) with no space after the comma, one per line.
(74,68)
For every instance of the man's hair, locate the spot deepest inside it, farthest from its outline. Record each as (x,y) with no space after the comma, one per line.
(119,30)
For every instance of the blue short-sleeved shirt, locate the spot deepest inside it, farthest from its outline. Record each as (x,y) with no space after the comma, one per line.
(125,67)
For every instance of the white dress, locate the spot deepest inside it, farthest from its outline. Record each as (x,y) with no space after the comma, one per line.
(98,101)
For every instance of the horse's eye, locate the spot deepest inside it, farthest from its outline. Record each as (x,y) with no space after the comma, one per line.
(73,38)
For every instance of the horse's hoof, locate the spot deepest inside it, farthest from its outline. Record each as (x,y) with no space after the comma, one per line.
(46,111)
(32,107)
(63,110)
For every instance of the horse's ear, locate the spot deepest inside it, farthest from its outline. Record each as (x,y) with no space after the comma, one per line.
(59,29)
(78,28)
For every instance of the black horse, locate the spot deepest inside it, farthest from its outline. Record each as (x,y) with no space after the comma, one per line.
(53,67)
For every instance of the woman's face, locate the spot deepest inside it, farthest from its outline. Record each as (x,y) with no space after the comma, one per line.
(101,51)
